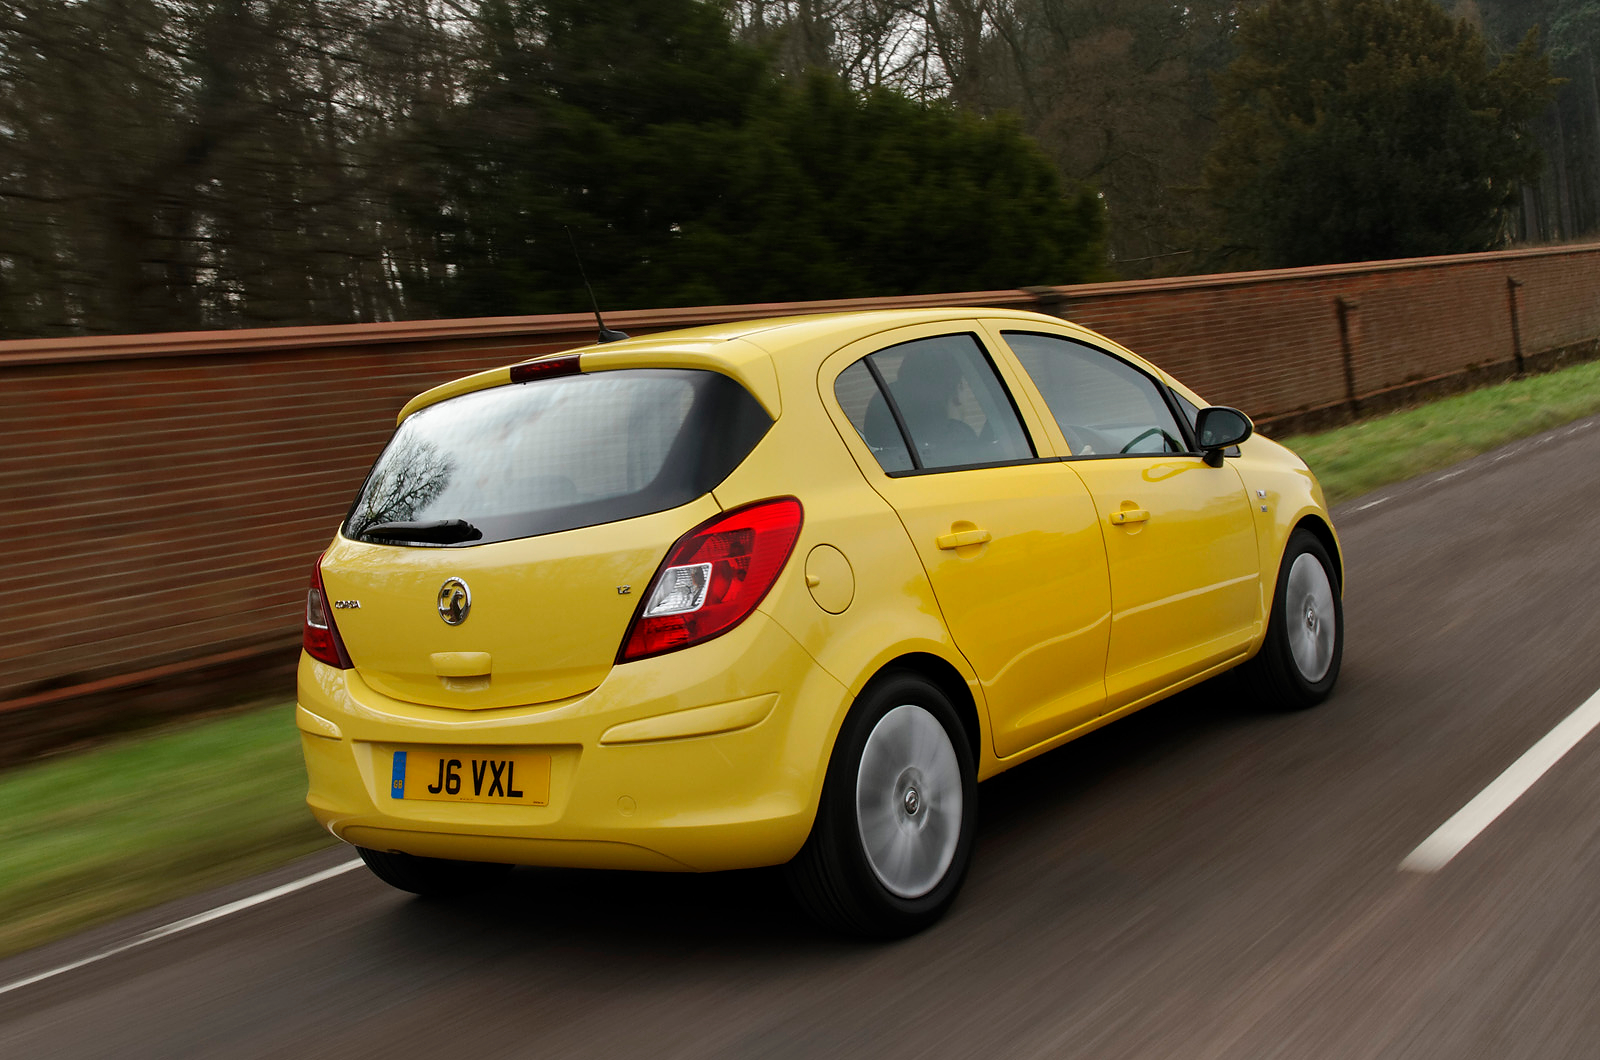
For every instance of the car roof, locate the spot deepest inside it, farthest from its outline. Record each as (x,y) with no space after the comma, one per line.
(784,334)
(744,349)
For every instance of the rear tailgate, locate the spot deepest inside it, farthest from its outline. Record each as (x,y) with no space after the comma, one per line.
(547,614)
(501,543)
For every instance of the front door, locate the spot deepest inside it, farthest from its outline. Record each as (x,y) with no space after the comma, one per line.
(1179,536)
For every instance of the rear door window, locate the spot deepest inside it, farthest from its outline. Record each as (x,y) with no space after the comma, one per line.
(869,413)
(557,454)
(942,395)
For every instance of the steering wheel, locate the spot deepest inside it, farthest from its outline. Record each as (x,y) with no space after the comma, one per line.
(1142,435)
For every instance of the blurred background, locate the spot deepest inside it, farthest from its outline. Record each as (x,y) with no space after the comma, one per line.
(172,165)
(237,235)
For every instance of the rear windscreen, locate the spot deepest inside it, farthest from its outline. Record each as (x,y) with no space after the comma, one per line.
(557,454)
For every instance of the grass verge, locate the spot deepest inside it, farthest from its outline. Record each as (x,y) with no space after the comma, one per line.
(90,836)
(1364,456)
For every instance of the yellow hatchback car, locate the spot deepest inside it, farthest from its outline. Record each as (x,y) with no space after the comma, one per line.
(784,592)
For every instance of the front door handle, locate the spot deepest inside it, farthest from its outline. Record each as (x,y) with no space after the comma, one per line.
(1129,515)
(962,538)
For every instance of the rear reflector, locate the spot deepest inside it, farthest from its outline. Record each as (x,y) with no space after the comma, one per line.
(544,368)
(320,637)
(713,577)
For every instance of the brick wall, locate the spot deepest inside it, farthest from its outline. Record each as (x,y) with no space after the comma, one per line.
(164,496)
(1269,342)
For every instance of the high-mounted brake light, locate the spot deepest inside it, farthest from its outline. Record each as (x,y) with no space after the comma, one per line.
(713,577)
(544,368)
(320,637)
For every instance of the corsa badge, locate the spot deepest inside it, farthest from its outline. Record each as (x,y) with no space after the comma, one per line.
(455,601)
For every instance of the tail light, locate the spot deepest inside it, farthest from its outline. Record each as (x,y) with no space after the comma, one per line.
(321,638)
(713,577)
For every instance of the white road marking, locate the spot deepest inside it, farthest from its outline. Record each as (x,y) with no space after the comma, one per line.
(1515,450)
(186,923)
(1448,841)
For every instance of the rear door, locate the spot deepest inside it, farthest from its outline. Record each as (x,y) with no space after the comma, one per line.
(1179,535)
(1007,535)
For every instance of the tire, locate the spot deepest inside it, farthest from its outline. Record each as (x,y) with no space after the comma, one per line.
(1298,664)
(431,877)
(893,835)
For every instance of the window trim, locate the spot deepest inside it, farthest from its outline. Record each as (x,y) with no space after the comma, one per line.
(1025,461)
(1177,401)
(894,410)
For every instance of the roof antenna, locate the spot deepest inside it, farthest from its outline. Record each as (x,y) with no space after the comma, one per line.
(606,334)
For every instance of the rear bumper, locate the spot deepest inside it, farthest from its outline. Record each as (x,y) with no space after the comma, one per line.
(707,758)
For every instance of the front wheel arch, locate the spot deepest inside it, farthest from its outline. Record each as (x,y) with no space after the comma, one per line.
(1319,528)
(1275,673)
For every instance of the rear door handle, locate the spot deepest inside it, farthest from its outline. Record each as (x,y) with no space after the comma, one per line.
(961,538)
(1129,515)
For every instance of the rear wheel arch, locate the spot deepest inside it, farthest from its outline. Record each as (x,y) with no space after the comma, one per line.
(894,830)
(943,674)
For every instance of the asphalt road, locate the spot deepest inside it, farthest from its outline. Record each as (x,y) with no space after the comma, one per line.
(1202,880)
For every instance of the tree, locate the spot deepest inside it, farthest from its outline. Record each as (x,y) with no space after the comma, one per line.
(1117,92)
(868,43)
(182,164)
(691,175)
(176,164)
(1564,202)
(1355,130)
(559,131)
(827,194)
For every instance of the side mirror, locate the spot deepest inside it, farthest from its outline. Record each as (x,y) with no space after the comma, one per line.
(1219,427)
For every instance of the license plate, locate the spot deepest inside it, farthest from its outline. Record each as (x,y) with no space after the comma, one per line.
(462,776)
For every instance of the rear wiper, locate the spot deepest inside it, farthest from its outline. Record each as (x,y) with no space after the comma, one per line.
(437,531)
